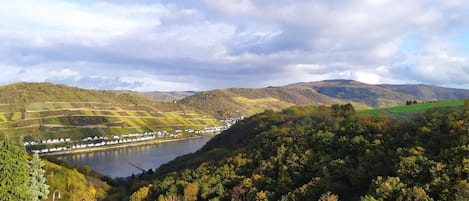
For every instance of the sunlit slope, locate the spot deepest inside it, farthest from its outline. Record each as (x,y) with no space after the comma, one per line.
(60,111)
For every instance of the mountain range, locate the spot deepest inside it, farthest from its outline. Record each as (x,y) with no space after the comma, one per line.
(235,101)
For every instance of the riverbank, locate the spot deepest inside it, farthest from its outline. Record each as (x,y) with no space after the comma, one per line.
(130,144)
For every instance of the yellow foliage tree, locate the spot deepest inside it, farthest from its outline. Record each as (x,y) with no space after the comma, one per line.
(191,191)
(329,197)
(141,194)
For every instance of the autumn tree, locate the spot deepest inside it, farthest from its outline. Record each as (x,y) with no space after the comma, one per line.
(190,192)
(141,194)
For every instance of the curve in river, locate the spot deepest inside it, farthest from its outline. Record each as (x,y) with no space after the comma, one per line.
(115,162)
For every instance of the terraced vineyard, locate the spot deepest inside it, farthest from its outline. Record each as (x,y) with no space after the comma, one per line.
(77,120)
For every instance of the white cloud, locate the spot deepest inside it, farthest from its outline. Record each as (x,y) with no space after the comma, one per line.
(231,7)
(65,73)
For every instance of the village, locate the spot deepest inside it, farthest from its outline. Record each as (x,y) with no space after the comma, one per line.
(67,144)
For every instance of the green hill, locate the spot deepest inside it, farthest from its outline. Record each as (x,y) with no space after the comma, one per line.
(325,153)
(44,110)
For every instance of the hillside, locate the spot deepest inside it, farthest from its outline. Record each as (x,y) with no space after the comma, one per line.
(72,184)
(236,101)
(45,111)
(168,96)
(325,153)
(429,92)
(371,95)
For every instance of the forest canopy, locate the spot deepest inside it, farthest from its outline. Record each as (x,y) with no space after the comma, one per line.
(326,153)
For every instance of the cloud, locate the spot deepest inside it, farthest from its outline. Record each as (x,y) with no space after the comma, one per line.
(65,73)
(231,7)
(198,45)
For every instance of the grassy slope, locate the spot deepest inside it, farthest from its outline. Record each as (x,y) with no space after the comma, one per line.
(404,109)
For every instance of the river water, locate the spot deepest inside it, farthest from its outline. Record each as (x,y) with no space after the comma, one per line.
(115,162)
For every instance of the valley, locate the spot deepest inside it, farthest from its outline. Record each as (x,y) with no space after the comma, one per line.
(265,143)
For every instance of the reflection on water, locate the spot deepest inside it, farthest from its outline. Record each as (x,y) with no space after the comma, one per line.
(115,162)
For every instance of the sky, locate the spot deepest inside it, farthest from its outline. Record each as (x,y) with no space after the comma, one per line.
(171,45)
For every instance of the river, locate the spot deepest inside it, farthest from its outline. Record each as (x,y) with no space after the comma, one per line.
(115,162)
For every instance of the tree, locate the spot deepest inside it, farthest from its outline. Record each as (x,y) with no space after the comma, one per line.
(191,191)
(14,174)
(141,194)
(328,197)
(38,184)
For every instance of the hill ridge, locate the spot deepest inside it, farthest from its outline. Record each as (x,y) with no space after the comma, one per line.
(223,102)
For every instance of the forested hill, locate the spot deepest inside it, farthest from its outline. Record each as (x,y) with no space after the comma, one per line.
(326,153)
(235,101)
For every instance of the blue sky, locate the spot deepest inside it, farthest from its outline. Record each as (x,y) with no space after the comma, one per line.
(207,44)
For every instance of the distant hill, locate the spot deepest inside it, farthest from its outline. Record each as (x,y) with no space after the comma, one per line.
(168,96)
(349,90)
(429,92)
(238,101)
(160,96)
(242,101)
(23,93)
(45,110)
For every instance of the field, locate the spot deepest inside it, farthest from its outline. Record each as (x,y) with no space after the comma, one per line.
(412,108)
(77,120)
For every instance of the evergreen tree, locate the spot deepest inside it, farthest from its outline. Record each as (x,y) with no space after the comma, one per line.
(14,172)
(38,186)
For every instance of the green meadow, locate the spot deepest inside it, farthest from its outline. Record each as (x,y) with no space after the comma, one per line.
(420,107)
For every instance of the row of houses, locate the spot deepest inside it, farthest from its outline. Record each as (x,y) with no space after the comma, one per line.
(89,145)
(231,121)
(48,141)
(212,129)
(97,141)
